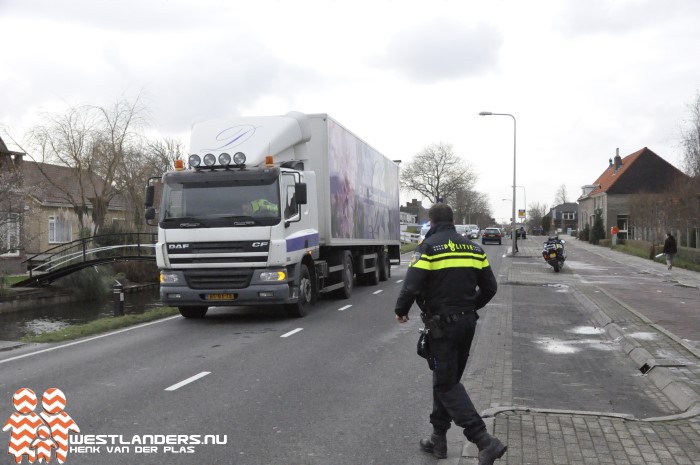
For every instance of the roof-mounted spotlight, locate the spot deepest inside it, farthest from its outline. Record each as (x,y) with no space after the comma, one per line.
(194,161)
(224,159)
(239,158)
(209,159)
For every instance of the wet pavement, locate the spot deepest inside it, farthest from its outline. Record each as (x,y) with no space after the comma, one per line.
(596,364)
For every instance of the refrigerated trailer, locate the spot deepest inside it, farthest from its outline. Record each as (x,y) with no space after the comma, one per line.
(274,210)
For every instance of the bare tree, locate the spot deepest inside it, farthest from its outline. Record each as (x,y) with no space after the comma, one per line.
(92,141)
(690,140)
(470,207)
(437,173)
(536,212)
(142,163)
(561,196)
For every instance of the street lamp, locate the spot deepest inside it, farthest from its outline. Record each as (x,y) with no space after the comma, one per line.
(515,236)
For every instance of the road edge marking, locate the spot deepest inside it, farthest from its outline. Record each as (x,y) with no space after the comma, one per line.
(187,381)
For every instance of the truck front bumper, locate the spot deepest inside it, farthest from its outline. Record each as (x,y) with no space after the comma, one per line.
(177,296)
(180,294)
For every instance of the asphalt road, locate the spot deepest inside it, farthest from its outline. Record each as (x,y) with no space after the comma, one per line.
(340,386)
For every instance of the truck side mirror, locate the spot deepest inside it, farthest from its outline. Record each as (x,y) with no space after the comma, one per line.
(150,194)
(300,193)
(150,213)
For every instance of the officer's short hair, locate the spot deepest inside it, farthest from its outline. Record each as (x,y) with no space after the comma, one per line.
(440,212)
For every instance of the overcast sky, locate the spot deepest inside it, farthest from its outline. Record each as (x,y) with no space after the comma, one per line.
(582,78)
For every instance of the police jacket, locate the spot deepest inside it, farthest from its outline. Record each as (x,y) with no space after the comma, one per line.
(448,274)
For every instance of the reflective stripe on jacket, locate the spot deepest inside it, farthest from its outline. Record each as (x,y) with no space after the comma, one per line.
(449,273)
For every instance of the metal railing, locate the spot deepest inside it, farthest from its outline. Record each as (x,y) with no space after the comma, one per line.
(96,248)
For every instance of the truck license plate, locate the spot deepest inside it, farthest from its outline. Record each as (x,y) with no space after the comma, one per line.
(221,296)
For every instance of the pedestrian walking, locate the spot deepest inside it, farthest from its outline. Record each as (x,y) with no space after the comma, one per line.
(450,278)
(670,249)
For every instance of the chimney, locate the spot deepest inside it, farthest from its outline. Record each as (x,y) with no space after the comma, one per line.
(618,159)
(610,161)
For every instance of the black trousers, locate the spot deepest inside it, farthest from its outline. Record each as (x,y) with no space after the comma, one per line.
(450,400)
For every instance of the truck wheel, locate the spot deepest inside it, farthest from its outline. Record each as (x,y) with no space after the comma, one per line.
(348,276)
(372,278)
(301,307)
(193,311)
(384,266)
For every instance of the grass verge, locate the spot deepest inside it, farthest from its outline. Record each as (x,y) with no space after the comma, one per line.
(102,325)
(408,247)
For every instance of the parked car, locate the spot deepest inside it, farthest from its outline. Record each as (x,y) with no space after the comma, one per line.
(473,231)
(491,235)
(462,229)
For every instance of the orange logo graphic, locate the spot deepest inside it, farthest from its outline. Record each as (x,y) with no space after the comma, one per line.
(35,436)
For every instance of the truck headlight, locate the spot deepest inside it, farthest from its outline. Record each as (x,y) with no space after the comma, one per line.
(273,276)
(169,278)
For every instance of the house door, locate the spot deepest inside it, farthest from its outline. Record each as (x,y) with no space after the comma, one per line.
(623,226)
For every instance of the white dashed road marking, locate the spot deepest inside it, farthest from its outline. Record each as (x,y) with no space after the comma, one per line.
(344,308)
(377,292)
(188,381)
(294,331)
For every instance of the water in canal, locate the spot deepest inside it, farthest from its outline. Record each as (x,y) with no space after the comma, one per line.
(45,318)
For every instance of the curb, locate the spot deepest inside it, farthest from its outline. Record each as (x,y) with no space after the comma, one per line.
(678,392)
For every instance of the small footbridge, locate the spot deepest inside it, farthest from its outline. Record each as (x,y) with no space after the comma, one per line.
(67,258)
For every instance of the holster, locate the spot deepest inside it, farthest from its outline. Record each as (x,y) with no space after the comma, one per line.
(434,324)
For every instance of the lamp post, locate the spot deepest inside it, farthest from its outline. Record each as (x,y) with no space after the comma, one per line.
(515,236)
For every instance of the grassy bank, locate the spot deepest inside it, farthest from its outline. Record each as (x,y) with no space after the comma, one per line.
(102,325)
(409,247)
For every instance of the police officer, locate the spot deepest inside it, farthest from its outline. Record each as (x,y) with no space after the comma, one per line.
(451,278)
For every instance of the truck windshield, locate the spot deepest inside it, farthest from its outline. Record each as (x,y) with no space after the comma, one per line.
(221,203)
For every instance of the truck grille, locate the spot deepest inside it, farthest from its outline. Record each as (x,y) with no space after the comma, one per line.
(237,278)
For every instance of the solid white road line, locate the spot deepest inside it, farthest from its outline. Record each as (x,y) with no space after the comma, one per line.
(344,308)
(291,332)
(377,292)
(50,349)
(188,381)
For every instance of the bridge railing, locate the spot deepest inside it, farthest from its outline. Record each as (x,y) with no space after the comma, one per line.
(90,248)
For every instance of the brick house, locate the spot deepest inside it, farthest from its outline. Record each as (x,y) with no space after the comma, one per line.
(642,172)
(48,217)
(415,208)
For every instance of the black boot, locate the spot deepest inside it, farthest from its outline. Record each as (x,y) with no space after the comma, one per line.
(494,450)
(436,444)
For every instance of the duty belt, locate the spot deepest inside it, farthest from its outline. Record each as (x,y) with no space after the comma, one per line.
(451,318)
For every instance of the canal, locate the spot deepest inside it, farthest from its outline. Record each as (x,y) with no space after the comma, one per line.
(45,318)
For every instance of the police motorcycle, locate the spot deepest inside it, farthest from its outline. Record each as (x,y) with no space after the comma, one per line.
(553,252)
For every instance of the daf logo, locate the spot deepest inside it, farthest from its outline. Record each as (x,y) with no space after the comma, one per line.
(178,246)
(260,244)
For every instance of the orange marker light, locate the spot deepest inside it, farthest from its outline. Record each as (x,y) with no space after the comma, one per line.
(179,165)
(268,160)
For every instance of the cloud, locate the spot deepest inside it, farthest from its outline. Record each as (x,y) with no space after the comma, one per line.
(458,50)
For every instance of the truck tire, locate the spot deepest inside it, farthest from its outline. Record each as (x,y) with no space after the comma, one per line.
(348,276)
(194,312)
(306,292)
(384,266)
(372,278)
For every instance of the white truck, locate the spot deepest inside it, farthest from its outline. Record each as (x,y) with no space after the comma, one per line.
(274,210)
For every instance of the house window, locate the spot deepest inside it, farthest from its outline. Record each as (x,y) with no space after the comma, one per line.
(9,234)
(568,215)
(60,230)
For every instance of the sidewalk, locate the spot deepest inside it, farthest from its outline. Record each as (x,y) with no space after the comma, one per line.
(669,363)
